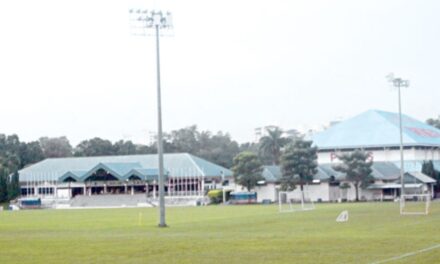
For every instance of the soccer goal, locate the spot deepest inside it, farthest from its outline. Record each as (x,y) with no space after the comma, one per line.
(294,201)
(415,204)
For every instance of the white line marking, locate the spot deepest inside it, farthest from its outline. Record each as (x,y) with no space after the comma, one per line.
(407,254)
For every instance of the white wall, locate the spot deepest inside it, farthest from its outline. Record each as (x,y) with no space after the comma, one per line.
(63,193)
(387,155)
(314,192)
(266,192)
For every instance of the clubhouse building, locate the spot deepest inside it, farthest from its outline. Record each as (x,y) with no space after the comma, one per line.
(66,178)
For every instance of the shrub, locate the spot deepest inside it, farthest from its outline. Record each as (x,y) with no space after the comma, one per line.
(216,196)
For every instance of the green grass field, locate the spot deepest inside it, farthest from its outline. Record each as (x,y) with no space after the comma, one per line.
(220,234)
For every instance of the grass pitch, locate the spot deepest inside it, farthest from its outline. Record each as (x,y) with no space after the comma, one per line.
(220,234)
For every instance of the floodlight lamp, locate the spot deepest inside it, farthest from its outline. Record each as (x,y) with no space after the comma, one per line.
(390,76)
(157,18)
(169,19)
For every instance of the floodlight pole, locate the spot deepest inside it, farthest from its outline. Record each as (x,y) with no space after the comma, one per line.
(157,20)
(162,222)
(399,83)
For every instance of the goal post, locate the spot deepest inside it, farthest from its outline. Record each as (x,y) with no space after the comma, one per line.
(415,204)
(294,201)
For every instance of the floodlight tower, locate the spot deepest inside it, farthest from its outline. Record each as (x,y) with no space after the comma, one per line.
(156,20)
(399,82)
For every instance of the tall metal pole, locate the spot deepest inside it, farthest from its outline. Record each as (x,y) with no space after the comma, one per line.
(402,191)
(159,138)
(156,20)
(399,83)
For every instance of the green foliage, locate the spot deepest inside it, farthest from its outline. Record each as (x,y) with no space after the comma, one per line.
(13,187)
(271,144)
(56,147)
(94,147)
(247,169)
(3,185)
(217,148)
(30,153)
(357,169)
(434,122)
(216,196)
(428,169)
(298,164)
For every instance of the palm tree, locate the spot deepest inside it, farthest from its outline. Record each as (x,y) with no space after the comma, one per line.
(272,143)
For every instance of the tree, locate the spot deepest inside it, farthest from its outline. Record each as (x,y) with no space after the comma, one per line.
(3,185)
(122,147)
(13,186)
(272,143)
(30,153)
(428,169)
(185,139)
(298,165)
(218,148)
(357,169)
(57,147)
(247,169)
(94,147)
(434,122)
(144,149)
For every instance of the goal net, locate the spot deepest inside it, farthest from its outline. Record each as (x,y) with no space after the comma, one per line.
(295,201)
(415,204)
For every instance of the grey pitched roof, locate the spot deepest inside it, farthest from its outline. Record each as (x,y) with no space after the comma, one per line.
(272,173)
(418,177)
(380,171)
(176,164)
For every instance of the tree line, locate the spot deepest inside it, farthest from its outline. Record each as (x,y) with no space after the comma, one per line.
(218,148)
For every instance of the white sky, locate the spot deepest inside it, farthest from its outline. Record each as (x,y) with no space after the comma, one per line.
(72,68)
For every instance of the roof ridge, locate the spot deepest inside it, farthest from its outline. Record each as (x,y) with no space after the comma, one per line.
(191,158)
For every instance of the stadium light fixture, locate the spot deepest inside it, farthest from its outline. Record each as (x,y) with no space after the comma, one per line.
(156,20)
(399,83)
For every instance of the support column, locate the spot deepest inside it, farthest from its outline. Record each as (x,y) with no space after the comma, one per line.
(125,188)
(203,187)
(105,188)
(154,189)
(55,190)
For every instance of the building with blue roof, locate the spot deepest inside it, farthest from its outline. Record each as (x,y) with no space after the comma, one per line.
(377,132)
(65,178)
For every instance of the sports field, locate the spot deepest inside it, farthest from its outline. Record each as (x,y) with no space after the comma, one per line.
(221,234)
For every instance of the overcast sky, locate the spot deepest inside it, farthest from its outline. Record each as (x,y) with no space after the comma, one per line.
(72,68)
